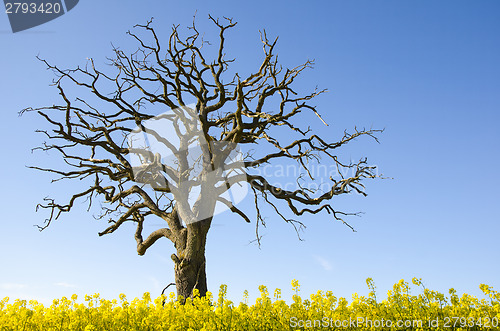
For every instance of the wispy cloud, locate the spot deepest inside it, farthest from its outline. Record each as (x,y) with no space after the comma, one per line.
(323,262)
(63,284)
(12,286)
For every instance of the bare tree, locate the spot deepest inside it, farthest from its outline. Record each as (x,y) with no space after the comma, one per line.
(94,140)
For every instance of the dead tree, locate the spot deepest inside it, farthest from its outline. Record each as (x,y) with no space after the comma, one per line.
(92,134)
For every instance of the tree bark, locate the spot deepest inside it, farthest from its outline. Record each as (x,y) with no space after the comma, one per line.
(190,263)
(191,276)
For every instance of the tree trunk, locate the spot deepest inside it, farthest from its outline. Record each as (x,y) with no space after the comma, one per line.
(190,275)
(190,263)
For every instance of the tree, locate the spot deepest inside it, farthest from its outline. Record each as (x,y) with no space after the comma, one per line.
(96,141)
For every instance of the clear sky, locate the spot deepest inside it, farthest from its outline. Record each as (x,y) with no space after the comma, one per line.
(426,71)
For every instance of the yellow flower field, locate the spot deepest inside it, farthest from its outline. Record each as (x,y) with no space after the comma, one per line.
(401,310)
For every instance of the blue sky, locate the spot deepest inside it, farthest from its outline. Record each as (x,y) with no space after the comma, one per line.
(426,71)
